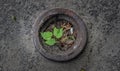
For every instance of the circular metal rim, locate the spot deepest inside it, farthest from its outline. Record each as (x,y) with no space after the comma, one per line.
(80,23)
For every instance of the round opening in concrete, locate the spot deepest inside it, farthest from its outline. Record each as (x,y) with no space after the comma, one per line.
(59,34)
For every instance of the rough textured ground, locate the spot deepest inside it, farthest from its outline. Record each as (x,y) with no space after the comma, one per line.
(102,18)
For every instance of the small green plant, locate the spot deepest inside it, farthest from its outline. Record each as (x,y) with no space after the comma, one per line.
(46,35)
(51,42)
(58,32)
(50,37)
(82,69)
(14,18)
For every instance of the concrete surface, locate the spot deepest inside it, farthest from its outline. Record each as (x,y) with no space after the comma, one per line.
(102,52)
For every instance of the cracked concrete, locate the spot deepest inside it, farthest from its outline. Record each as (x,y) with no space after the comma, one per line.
(102,52)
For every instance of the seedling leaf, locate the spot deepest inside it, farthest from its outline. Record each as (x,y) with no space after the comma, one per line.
(58,32)
(50,42)
(13,18)
(46,35)
(82,69)
(72,37)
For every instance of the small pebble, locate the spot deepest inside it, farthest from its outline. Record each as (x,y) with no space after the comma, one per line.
(71,30)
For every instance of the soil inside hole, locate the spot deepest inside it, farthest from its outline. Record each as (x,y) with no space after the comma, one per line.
(66,41)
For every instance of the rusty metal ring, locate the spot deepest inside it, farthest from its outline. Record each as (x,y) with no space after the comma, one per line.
(77,23)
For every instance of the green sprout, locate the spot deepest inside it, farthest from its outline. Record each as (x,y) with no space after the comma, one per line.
(51,42)
(58,32)
(14,18)
(82,69)
(48,36)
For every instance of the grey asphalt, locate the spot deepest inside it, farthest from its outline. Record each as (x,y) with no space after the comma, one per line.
(17,51)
